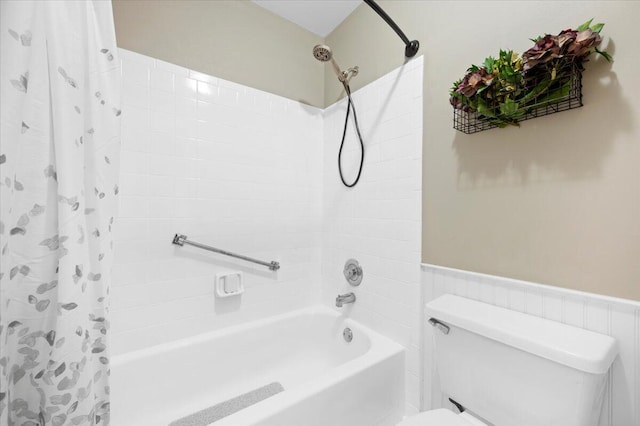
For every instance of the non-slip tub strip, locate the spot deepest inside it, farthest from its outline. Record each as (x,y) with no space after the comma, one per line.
(213,414)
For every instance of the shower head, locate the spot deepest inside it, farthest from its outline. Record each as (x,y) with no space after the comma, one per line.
(323,53)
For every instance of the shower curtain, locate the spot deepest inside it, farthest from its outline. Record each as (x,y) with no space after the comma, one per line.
(59,148)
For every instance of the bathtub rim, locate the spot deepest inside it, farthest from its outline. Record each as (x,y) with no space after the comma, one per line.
(378,342)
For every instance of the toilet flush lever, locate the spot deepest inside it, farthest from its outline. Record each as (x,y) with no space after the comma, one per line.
(444,328)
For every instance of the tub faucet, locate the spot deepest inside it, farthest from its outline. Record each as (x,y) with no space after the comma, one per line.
(345,298)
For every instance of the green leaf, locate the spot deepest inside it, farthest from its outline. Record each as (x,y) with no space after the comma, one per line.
(508,107)
(488,64)
(483,109)
(482,89)
(553,96)
(608,57)
(585,25)
(540,88)
(597,28)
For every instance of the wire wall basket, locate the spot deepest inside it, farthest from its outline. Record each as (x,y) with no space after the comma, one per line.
(561,94)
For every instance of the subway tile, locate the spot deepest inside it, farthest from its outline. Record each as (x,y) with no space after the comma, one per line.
(158,227)
(134,139)
(186,107)
(161,313)
(160,291)
(134,95)
(162,165)
(162,101)
(134,72)
(163,122)
(186,127)
(207,92)
(186,187)
(204,78)
(133,207)
(128,273)
(134,162)
(161,144)
(162,186)
(161,80)
(130,252)
(162,207)
(227,96)
(160,250)
(130,229)
(133,184)
(186,87)
(186,147)
(135,118)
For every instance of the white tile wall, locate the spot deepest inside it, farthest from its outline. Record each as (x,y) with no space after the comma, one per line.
(378,221)
(616,317)
(255,173)
(229,166)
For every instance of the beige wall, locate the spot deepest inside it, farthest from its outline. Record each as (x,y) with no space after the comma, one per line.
(556,201)
(235,40)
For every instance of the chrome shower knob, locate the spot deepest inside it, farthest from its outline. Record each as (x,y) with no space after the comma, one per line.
(353,272)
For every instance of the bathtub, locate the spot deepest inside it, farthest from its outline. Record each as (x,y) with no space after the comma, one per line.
(327,381)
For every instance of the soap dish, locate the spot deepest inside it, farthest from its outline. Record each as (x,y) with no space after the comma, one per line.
(229,284)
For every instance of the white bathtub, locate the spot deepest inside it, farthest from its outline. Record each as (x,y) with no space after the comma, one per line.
(327,381)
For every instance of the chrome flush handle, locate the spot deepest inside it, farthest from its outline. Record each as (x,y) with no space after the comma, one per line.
(444,328)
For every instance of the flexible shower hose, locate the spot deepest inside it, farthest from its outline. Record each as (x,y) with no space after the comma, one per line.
(350,106)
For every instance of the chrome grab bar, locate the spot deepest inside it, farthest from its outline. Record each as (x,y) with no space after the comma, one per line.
(181,240)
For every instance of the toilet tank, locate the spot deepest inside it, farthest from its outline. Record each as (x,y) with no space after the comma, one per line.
(514,369)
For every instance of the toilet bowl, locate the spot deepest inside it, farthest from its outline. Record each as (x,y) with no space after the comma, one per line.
(498,364)
(441,417)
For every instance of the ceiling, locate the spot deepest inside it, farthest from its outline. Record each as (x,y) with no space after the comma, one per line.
(318,16)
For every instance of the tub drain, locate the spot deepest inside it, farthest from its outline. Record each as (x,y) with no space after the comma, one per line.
(347,334)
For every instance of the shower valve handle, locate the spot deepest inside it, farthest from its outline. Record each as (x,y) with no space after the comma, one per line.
(353,272)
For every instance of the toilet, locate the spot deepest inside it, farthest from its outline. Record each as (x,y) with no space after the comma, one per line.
(506,368)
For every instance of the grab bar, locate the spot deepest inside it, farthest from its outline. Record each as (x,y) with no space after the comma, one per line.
(181,240)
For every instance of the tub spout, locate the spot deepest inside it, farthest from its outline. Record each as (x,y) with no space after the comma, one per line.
(345,298)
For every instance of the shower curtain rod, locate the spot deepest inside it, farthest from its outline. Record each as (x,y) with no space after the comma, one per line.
(411,47)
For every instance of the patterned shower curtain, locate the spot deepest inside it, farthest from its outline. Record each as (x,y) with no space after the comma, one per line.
(59,148)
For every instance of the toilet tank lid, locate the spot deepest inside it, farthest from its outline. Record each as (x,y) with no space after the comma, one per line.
(565,344)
